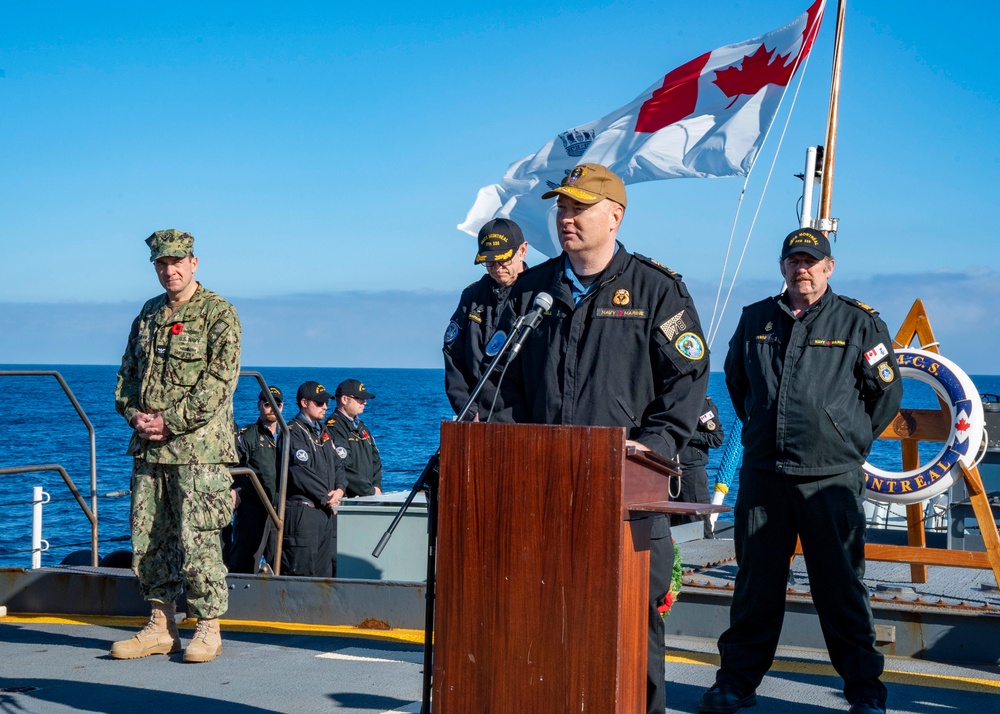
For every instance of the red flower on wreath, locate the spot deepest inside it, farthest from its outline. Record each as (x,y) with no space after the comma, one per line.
(178,328)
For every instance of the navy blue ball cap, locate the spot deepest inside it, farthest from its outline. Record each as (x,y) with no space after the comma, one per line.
(353,388)
(806,240)
(314,391)
(498,239)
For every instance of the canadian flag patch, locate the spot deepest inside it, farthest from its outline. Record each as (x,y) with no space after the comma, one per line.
(876,353)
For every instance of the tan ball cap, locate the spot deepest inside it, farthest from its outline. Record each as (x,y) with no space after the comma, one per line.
(591,183)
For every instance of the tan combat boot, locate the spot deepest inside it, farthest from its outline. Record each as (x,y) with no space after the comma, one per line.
(159,636)
(206,644)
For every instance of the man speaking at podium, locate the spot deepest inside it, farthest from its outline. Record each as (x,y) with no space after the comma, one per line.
(620,346)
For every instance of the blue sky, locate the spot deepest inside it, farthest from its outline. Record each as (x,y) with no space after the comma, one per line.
(323,154)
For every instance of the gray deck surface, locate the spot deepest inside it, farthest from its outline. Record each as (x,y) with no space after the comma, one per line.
(55,668)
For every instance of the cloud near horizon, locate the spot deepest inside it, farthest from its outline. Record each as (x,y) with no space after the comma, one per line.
(405,329)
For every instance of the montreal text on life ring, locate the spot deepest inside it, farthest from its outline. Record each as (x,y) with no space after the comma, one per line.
(956,390)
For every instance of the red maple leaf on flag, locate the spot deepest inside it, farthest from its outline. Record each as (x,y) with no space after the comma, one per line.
(753,73)
(962,425)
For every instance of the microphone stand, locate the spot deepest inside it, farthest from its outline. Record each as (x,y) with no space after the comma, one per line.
(428,482)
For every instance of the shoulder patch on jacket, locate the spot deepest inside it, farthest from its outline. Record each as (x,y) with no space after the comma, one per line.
(218,329)
(659,266)
(858,304)
(451,332)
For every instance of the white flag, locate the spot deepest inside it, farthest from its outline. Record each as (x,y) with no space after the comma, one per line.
(708,117)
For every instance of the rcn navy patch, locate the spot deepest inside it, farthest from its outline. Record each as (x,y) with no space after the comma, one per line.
(342,452)
(495,343)
(690,346)
(621,298)
(885,372)
(302,455)
(451,333)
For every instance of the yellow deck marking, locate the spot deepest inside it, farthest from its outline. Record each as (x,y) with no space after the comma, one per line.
(894,676)
(359,658)
(400,635)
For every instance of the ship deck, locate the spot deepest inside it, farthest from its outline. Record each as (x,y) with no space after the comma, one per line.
(303,644)
(53,665)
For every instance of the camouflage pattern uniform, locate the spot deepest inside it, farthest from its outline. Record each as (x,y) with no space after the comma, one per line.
(183,365)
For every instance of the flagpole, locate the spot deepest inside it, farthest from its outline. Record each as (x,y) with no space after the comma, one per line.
(826,193)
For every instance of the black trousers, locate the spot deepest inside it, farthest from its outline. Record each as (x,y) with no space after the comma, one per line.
(254,536)
(310,546)
(661,566)
(826,513)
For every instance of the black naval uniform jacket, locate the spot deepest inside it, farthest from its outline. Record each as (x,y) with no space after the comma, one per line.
(258,451)
(631,354)
(359,454)
(465,342)
(812,393)
(708,434)
(314,468)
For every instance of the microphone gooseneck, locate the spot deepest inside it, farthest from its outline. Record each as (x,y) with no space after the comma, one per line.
(543,301)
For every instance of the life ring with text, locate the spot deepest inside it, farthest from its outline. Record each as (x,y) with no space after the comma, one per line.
(955,389)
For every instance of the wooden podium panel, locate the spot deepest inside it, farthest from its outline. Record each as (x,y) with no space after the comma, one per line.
(542,581)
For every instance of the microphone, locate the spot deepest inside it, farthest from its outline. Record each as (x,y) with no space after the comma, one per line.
(543,301)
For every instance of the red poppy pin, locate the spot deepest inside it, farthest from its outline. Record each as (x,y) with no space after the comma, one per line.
(178,328)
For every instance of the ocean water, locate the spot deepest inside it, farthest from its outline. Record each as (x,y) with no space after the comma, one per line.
(40,426)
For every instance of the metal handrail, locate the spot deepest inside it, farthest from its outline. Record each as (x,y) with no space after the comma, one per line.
(91,515)
(277,518)
(92,511)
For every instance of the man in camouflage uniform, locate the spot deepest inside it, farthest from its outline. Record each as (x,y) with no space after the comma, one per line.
(175,389)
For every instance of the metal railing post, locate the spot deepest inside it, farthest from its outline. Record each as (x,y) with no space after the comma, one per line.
(38,499)
(277,518)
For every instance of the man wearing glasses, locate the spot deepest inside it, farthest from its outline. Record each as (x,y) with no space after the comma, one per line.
(502,249)
(354,441)
(254,535)
(316,483)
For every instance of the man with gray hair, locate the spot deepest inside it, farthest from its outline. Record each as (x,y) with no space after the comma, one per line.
(813,377)
(501,250)
(175,389)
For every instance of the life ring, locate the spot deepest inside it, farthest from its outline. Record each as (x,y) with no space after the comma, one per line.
(956,390)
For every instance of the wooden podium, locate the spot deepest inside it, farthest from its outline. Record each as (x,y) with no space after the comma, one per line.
(542,569)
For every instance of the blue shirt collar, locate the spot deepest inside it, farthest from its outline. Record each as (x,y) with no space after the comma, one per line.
(577,288)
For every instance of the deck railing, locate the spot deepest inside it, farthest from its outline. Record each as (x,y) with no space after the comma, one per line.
(90,512)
